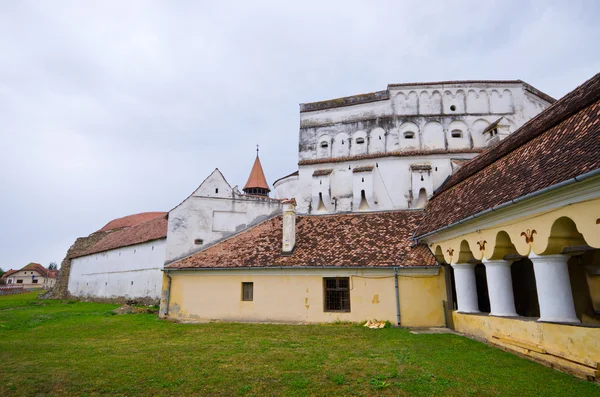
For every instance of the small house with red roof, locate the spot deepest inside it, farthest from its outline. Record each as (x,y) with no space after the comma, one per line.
(33,275)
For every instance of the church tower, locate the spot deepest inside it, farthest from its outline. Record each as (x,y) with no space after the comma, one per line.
(257,183)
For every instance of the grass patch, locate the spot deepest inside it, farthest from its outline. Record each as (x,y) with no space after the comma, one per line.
(62,348)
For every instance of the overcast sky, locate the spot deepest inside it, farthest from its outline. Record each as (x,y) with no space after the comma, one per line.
(109,108)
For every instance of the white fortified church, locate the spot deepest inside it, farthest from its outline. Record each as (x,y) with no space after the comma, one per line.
(387,150)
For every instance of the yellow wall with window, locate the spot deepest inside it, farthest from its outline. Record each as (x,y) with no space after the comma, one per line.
(297,295)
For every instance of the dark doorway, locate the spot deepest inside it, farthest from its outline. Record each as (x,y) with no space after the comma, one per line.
(483,296)
(524,288)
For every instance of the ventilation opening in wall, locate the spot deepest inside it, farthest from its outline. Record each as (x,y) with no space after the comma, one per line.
(363,201)
(198,241)
(456,134)
(409,135)
(360,140)
(453,108)
(132,283)
(324,144)
(106,283)
(217,190)
(422,199)
(321,207)
(379,137)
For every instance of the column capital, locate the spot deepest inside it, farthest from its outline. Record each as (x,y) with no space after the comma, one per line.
(496,262)
(464,265)
(554,258)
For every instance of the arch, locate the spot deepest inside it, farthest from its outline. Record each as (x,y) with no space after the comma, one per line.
(341,145)
(439,255)
(433,136)
(404,141)
(464,255)
(377,140)
(477,128)
(477,102)
(458,136)
(430,104)
(392,141)
(359,148)
(406,103)
(501,102)
(324,152)
(563,233)
(454,103)
(502,246)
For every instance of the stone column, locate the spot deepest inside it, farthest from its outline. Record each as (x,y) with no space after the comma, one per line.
(554,288)
(499,282)
(466,289)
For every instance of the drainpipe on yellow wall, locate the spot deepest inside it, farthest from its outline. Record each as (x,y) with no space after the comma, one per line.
(166,311)
(397,295)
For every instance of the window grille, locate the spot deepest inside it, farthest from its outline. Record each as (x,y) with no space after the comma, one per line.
(337,294)
(247,291)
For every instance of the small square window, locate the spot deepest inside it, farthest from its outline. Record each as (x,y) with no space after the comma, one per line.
(34,281)
(247,291)
(337,294)
(198,241)
(19,281)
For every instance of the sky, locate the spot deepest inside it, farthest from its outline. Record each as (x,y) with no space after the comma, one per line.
(110,108)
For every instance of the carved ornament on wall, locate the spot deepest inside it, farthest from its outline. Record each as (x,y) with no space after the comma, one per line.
(481,244)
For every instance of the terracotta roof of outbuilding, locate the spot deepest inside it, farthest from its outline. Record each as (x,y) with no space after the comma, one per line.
(131,220)
(377,239)
(257,177)
(560,143)
(153,229)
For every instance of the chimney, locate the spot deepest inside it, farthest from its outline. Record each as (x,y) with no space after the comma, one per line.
(289,226)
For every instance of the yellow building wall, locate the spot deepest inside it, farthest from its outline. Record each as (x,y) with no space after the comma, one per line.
(574,348)
(298,296)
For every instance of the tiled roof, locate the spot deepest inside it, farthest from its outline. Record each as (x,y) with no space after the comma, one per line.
(8,273)
(365,168)
(131,220)
(36,267)
(323,172)
(151,230)
(560,143)
(295,173)
(400,153)
(257,177)
(376,239)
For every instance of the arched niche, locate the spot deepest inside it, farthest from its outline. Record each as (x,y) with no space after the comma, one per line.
(408,136)
(341,145)
(439,255)
(465,254)
(479,125)
(477,102)
(324,147)
(458,135)
(377,140)
(433,136)
(359,143)
(454,102)
(430,103)
(501,102)
(406,103)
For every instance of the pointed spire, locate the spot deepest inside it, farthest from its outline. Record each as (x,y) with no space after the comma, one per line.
(257,183)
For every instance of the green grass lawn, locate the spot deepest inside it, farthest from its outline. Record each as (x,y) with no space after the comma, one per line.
(67,348)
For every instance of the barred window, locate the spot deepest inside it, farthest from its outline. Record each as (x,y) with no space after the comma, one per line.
(337,294)
(247,291)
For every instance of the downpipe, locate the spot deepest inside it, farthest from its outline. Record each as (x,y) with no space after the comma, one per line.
(167,298)
(397,295)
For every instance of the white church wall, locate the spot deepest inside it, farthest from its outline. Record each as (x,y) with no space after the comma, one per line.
(131,272)
(214,211)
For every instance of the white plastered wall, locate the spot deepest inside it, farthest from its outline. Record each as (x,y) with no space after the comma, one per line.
(127,272)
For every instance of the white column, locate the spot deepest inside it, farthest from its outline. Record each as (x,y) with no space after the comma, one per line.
(554,288)
(499,282)
(466,289)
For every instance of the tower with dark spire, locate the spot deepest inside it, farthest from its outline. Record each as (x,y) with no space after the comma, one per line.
(257,183)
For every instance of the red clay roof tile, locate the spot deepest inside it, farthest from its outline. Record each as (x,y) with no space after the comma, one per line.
(377,239)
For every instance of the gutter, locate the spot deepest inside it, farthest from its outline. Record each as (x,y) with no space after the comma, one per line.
(395,268)
(167,298)
(397,296)
(568,182)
